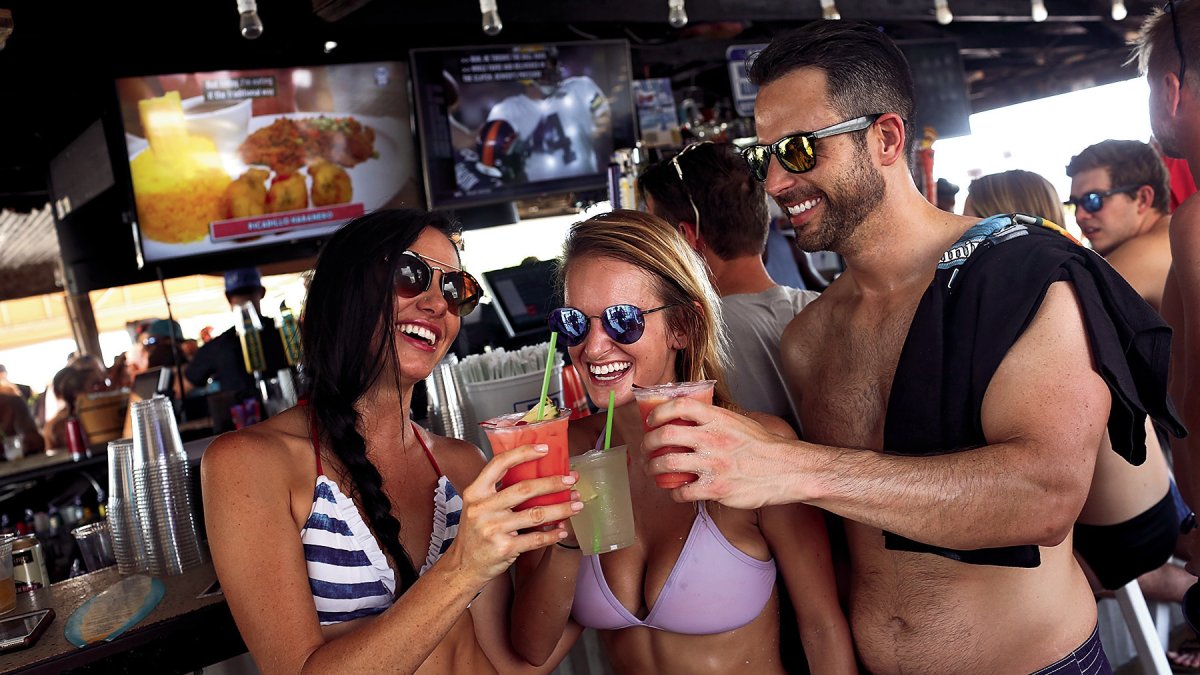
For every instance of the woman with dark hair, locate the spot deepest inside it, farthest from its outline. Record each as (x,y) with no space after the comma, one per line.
(375,567)
(68,385)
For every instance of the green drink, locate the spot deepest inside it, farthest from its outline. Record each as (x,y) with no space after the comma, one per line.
(606,521)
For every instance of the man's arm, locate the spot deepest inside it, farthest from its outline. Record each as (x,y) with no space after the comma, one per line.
(1044,415)
(1182,311)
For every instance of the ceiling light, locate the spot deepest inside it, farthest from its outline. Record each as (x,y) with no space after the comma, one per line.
(676,14)
(1118,10)
(941,9)
(1039,11)
(829,10)
(492,25)
(6,26)
(330,45)
(251,25)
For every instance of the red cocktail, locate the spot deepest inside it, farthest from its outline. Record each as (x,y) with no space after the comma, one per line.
(508,432)
(649,398)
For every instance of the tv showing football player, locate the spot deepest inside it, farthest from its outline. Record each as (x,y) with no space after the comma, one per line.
(500,123)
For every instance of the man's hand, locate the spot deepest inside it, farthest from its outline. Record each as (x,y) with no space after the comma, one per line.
(740,464)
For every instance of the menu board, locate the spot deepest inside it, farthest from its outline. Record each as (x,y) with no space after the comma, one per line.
(237,159)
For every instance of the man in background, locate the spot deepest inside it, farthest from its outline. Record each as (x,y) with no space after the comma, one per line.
(706,192)
(1120,192)
(221,359)
(11,388)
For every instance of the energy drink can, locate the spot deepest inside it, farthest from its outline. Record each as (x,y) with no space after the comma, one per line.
(29,564)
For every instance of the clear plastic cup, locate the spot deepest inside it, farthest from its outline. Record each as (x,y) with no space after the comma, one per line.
(606,521)
(8,588)
(504,433)
(95,545)
(649,398)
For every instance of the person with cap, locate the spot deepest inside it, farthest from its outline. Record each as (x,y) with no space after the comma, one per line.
(946,193)
(220,360)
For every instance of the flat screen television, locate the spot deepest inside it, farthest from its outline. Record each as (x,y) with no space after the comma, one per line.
(499,123)
(233,160)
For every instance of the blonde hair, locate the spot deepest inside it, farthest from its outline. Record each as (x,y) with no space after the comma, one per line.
(678,275)
(1015,191)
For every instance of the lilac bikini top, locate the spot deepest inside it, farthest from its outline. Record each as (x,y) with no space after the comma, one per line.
(713,588)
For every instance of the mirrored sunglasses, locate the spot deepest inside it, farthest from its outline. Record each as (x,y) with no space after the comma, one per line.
(623,323)
(1092,202)
(795,151)
(414,275)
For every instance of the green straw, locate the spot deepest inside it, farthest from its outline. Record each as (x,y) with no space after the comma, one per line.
(608,423)
(549,371)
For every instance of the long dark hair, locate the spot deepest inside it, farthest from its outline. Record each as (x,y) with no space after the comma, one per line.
(349,344)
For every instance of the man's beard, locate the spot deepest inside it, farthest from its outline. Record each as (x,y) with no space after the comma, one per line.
(854,195)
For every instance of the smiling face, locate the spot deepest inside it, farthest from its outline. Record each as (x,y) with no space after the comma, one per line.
(595,283)
(826,205)
(1117,220)
(424,325)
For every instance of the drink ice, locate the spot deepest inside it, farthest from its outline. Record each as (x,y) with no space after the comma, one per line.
(649,398)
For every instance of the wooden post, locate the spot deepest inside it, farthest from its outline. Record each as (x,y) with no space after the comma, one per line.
(83,324)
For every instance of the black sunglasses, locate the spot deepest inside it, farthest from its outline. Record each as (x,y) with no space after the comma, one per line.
(1169,8)
(1092,202)
(623,323)
(414,275)
(795,151)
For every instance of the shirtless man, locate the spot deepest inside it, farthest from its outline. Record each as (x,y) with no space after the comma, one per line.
(1169,55)
(1128,227)
(1021,476)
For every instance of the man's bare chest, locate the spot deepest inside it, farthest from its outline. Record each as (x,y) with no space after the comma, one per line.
(849,380)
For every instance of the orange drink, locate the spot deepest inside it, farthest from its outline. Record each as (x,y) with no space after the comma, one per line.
(649,398)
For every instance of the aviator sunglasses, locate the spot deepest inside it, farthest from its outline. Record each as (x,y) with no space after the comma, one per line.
(679,172)
(1092,202)
(623,323)
(795,151)
(1169,8)
(414,275)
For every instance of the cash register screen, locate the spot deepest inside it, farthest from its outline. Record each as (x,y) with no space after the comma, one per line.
(524,295)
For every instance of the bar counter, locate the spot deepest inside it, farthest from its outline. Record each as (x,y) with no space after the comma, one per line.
(182,634)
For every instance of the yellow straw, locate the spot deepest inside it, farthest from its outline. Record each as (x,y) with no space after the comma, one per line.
(608,423)
(549,370)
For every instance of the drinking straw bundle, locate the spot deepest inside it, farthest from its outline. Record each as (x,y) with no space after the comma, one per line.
(500,363)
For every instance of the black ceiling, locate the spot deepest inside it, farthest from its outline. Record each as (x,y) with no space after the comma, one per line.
(56,74)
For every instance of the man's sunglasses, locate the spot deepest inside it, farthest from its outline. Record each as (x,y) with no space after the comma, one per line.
(795,151)
(623,323)
(1169,8)
(1092,202)
(414,275)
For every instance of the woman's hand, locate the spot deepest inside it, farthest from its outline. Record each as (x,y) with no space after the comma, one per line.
(490,534)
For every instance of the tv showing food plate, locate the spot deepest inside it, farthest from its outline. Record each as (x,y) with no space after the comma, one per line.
(500,123)
(236,159)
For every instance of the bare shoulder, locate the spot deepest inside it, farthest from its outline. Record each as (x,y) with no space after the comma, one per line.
(277,448)
(773,424)
(460,460)
(1185,226)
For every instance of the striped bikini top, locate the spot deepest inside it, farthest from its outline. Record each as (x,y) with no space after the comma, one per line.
(347,571)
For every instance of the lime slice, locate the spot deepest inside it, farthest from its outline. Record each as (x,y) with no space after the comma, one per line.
(586,492)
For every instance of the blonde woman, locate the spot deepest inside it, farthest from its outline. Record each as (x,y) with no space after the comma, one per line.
(697,593)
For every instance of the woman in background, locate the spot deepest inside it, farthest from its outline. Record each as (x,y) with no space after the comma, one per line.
(387,545)
(696,593)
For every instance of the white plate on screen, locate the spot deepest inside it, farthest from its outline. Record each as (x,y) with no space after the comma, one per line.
(376,182)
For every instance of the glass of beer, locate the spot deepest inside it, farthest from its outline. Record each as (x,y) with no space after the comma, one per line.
(8,588)
(649,398)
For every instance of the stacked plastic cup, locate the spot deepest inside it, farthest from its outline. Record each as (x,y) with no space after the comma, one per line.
(123,521)
(162,490)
